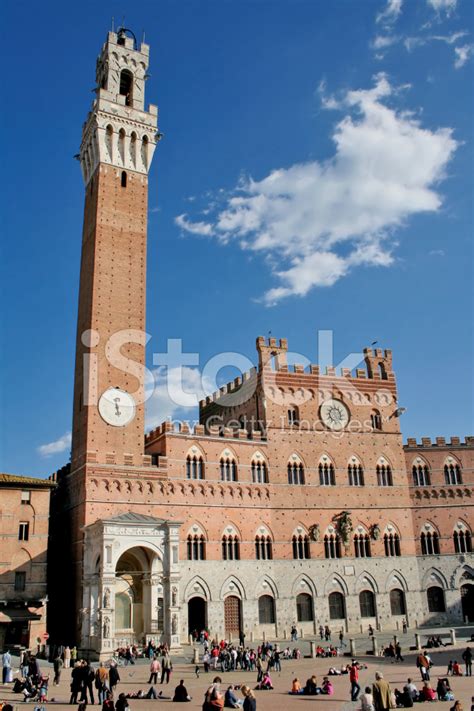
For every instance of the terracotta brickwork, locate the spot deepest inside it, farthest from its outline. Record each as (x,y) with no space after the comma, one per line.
(24,519)
(264,501)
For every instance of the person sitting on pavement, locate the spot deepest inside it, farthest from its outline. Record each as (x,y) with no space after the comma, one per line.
(296,687)
(427,692)
(230,699)
(181,693)
(327,687)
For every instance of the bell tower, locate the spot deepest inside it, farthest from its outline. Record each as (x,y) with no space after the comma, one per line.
(118,142)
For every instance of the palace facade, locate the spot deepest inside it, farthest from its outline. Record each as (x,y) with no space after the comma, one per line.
(293,501)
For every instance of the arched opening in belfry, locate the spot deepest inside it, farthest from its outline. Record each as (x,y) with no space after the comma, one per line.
(126,86)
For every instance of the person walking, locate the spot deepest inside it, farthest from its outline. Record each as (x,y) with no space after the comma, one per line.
(341,639)
(321,632)
(404,626)
(57,666)
(242,638)
(467,659)
(7,667)
(423,664)
(88,678)
(166,667)
(398,652)
(76,683)
(101,682)
(354,679)
(67,657)
(155,668)
(382,694)
(114,677)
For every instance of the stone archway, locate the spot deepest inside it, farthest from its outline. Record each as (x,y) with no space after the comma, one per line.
(197,615)
(133,599)
(467,602)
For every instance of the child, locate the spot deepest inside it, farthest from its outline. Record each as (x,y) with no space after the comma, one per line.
(43,691)
(367,700)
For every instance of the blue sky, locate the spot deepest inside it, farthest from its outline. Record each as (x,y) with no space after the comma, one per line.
(365,109)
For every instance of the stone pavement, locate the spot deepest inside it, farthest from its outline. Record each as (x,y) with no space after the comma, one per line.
(135,677)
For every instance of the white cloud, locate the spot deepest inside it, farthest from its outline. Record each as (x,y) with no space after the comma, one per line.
(197,228)
(174,392)
(447,6)
(384,41)
(462,55)
(437,253)
(60,445)
(319,220)
(391,12)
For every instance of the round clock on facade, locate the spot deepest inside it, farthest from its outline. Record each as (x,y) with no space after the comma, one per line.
(117,407)
(334,414)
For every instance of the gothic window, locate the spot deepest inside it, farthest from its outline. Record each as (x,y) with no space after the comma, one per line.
(327,476)
(362,545)
(397,602)
(429,543)
(304,608)
(391,542)
(194,467)
(228,469)
(421,475)
(384,475)
(126,86)
(435,596)
(332,546)
(230,547)
(293,415)
(367,603)
(376,420)
(196,547)
(295,473)
(263,547)
(336,606)
(452,473)
(123,179)
(259,472)
(355,474)
(266,610)
(301,549)
(462,541)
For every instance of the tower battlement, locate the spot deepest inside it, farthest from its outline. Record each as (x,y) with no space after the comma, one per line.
(412,442)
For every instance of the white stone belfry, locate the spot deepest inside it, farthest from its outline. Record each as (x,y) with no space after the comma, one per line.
(118,130)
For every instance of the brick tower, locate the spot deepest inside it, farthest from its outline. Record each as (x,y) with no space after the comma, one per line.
(118,141)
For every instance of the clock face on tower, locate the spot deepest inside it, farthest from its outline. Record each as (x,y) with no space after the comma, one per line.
(334,414)
(117,407)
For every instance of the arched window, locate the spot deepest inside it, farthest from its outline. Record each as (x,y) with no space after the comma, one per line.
(194,467)
(367,603)
(376,420)
(332,546)
(304,608)
(263,547)
(126,86)
(228,469)
(421,474)
(266,610)
(384,475)
(435,596)
(355,474)
(123,179)
(259,472)
(462,540)
(327,476)
(301,549)
(293,415)
(337,609)
(429,543)
(196,547)
(295,473)
(230,547)
(362,545)
(452,473)
(397,602)
(391,542)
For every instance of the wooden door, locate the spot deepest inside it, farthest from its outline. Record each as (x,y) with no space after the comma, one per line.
(232,616)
